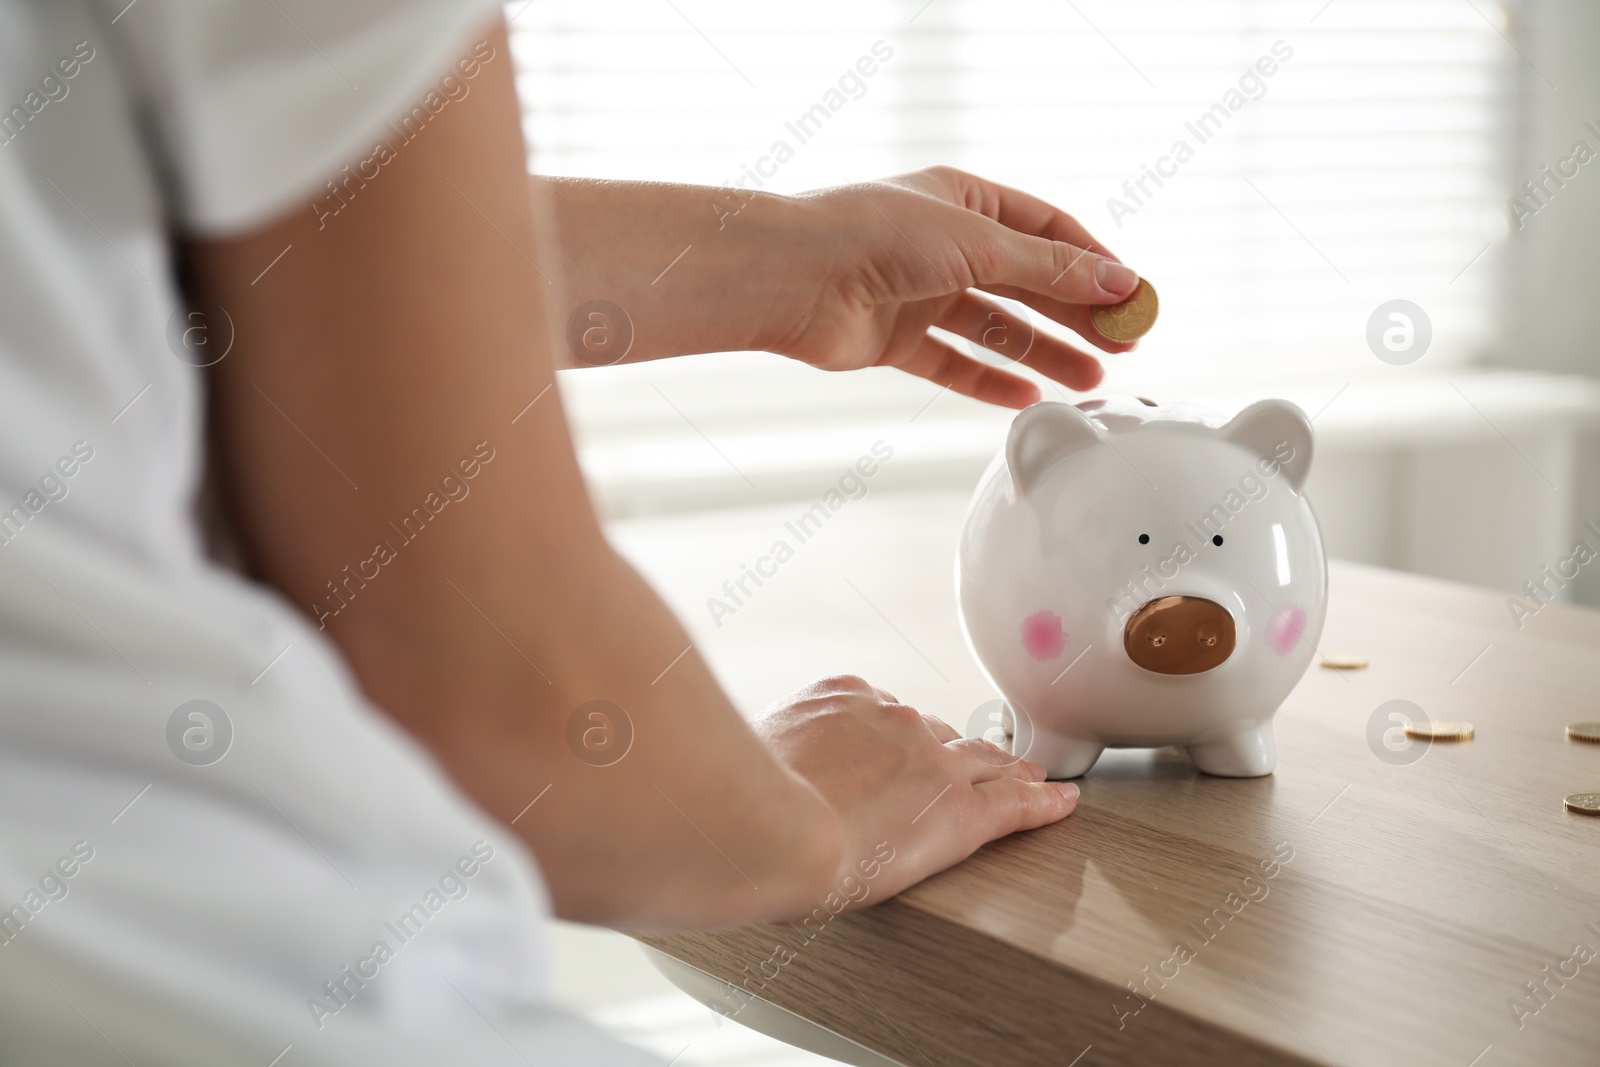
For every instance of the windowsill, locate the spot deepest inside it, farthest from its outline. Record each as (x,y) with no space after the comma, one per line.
(645,455)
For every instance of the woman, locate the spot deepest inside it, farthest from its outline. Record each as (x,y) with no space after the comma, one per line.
(293,809)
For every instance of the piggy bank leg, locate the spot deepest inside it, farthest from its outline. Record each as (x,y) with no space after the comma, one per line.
(1247,754)
(1062,756)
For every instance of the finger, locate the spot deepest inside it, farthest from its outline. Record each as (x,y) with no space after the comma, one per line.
(1061,362)
(1029,243)
(999,255)
(833,687)
(1007,805)
(1021,211)
(985,761)
(943,365)
(1024,215)
(940,729)
(985,322)
(1075,316)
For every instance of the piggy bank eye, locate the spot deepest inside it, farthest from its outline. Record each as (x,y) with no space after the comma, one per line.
(1217,540)
(1144,539)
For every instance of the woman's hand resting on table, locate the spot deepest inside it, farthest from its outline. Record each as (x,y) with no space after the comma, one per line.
(912,795)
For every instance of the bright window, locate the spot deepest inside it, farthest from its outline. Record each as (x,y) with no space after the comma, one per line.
(1368,165)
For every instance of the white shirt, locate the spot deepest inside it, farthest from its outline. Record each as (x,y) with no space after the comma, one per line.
(182,884)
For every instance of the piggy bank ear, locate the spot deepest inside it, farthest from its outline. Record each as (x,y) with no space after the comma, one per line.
(1042,434)
(1275,430)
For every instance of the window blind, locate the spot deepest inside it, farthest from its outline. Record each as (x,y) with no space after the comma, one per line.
(1277,168)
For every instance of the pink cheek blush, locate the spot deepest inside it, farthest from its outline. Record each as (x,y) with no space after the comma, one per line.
(1042,636)
(1284,631)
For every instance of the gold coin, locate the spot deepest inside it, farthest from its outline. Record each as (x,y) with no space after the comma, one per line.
(1584,731)
(1344,663)
(1584,803)
(1131,319)
(1440,730)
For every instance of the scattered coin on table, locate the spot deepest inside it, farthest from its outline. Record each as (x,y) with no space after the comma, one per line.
(1131,319)
(1440,730)
(1584,731)
(1584,803)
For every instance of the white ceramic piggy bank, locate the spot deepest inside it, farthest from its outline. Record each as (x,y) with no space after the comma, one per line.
(1138,573)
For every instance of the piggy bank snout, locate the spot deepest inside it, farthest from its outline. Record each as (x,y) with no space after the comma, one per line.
(1179,635)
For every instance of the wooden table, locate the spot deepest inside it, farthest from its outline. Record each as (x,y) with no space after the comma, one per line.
(1420,897)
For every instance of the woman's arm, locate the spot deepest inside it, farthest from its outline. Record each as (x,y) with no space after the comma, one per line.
(378,362)
(840,278)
